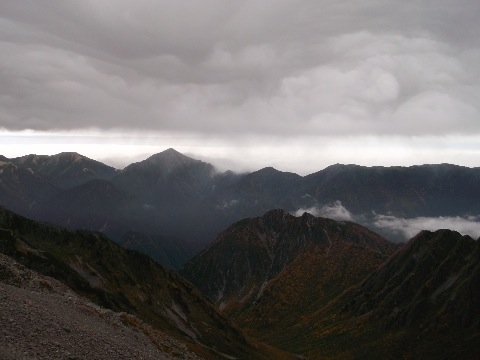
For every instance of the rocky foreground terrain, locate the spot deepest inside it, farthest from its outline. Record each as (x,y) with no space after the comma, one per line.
(43,319)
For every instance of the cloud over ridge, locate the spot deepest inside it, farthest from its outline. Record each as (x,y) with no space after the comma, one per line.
(410,227)
(393,227)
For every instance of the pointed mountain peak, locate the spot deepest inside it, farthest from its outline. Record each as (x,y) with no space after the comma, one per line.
(165,162)
(170,156)
(171,152)
(168,159)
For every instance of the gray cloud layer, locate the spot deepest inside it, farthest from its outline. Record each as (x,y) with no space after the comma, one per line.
(284,67)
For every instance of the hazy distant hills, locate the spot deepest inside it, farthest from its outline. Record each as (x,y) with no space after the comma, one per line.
(171,196)
(335,290)
(123,281)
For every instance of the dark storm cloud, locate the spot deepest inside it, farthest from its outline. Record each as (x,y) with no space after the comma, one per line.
(284,67)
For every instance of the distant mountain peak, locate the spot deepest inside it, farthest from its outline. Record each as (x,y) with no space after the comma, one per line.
(70,155)
(267,170)
(164,162)
(271,171)
(39,160)
(169,158)
(172,155)
(65,169)
(171,151)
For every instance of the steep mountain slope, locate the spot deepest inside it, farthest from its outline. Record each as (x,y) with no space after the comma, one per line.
(421,304)
(123,280)
(266,273)
(47,320)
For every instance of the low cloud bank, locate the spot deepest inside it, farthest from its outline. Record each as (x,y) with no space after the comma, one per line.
(410,227)
(335,211)
(397,229)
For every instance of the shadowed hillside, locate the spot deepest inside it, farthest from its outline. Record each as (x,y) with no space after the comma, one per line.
(421,304)
(124,280)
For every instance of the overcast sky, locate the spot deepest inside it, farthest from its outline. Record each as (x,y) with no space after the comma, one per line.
(295,84)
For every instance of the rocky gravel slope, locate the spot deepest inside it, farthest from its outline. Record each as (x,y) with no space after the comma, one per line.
(43,319)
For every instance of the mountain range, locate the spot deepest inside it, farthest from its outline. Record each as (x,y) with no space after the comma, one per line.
(170,206)
(280,287)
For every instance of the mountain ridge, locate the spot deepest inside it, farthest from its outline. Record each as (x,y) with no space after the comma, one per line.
(65,169)
(170,195)
(266,272)
(173,152)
